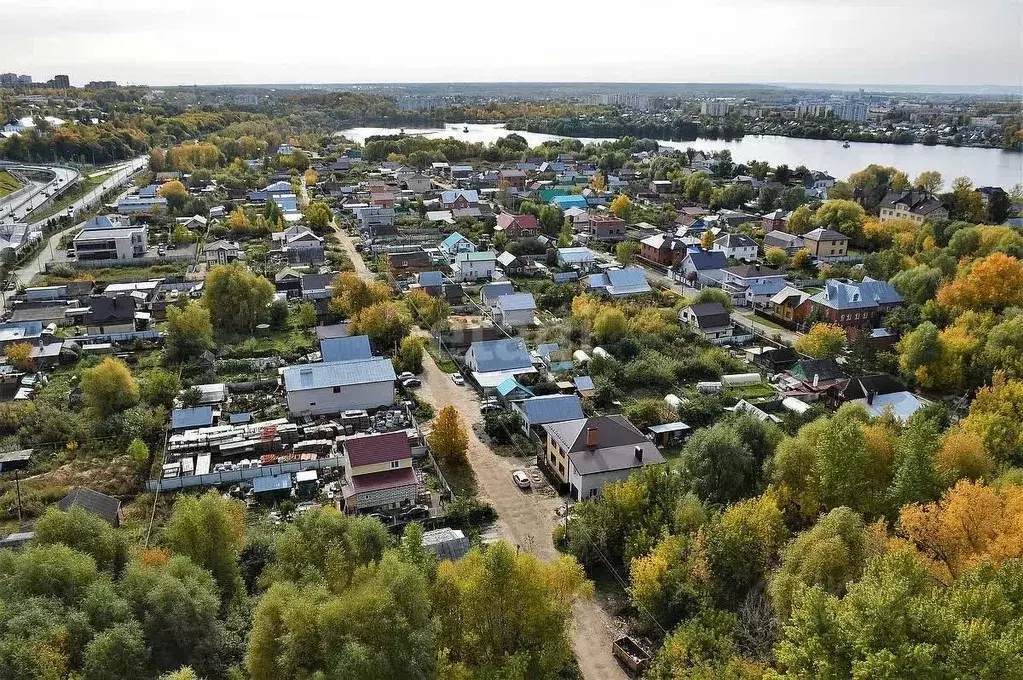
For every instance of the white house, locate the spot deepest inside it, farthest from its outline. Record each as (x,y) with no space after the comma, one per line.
(131,205)
(334,387)
(418,183)
(710,319)
(473,266)
(456,243)
(374,217)
(515,310)
(221,252)
(121,243)
(737,246)
(297,238)
(751,285)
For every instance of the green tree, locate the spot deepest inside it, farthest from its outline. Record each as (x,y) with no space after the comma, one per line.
(138,452)
(714,295)
(929,182)
(822,340)
(551,219)
(610,325)
(843,216)
(800,221)
(236,298)
(277,315)
(318,215)
(84,532)
(209,529)
(305,315)
(386,323)
(109,388)
(159,387)
(118,653)
(719,465)
(189,331)
(626,252)
(410,355)
(175,193)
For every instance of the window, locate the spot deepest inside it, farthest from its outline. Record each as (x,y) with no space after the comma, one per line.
(337,390)
(561,468)
(395,464)
(553,459)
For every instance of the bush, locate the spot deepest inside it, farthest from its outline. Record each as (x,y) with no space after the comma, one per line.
(467,512)
(502,426)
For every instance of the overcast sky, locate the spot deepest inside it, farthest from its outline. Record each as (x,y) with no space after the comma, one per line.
(927,42)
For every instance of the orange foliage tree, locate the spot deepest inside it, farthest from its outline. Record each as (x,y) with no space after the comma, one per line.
(996,282)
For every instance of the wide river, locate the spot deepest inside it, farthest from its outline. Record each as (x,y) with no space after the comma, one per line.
(986,167)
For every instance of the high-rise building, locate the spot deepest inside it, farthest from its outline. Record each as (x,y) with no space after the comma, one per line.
(24,80)
(852,111)
(100,85)
(716,107)
(61,82)
(8,79)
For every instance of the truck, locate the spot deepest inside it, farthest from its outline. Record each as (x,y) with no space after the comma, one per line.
(631,655)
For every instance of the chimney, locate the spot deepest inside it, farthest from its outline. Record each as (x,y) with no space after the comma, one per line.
(816,379)
(870,396)
(639,453)
(591,437)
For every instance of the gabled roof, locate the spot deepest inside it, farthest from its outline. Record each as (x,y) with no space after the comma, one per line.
(221,244)
(552,408)
(825,369)
(510,385)
(500,355)
(706,260)
(506,220)
(95,503)
(506,259)
(822,234)
(881,383)
(451,195)
(338,374)
(345,349)
(735,240)
(789,292)
(575,255)
(104,310)
(490,292)
(185,418)
(710,315)
(454,239)
(516,302)
(751,271)
(378,448)
(429,279)
(612,431)
(844,294)
(782,239)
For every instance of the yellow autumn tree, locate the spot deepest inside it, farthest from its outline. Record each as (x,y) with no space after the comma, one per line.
(995,417)
(962,455)
(972,523)
(448,439)
(823,340)
(20,356)
(622,206)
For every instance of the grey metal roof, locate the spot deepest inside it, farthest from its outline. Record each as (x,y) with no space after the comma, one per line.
(338,373)
(430,279)
(345,349)
(612,431)
(184,418)
(704,260)
(500,355)
(552,408)
(710,315)
(584,382)
(490,292)
(611,458)
(516,302)
(822,234)
(845,294)
(271,483)
(627,281)
(96,503)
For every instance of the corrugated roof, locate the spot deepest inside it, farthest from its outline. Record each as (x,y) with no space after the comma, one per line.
(584,382)
(378,448)
(576,255)
(93,502)
(271,483)
(845,294)
(345,349)
(490,292)
(705,260)
(184,418)
(630,281)
(552,408)
(510,384)
(338,373)
(430,279)
(499,355)
(516,302)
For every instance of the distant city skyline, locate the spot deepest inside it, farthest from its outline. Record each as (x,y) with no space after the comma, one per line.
(910,42)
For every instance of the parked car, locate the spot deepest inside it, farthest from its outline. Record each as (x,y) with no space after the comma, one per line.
(161,251)
(489,408)
(415,512)
(402,377)
(457,379)
(521,479)
(412,382)
(70,253)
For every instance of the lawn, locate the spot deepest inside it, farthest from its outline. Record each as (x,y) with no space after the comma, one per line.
(8,185)
(761,321)
(115,274)
(442,360)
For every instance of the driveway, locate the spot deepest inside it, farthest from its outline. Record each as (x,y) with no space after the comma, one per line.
(526,519)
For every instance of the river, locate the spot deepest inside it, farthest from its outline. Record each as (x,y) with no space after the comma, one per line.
(986,167)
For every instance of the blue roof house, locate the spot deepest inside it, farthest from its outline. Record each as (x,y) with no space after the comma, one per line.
(578,258)
(491,361)
(191,418)
(345,349)
(570,201)
(550,408)
(511,390)
(456,243)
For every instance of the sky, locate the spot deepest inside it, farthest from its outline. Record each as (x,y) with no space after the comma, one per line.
(185,42)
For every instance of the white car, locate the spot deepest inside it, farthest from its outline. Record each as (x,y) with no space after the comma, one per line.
(521,479)
(402,377)
(457,379)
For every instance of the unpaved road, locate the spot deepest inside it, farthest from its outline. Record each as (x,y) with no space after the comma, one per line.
(525,518)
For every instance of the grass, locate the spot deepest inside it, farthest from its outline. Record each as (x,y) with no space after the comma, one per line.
(290,342)
(760,390)
(70,196)
(8,185)
(443,362)
(114,274)
(460,478)
(761,321)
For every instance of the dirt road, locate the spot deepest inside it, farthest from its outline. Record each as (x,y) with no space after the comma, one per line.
(525,518)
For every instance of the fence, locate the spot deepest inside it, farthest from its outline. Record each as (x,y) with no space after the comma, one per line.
(235,476)
(126,262)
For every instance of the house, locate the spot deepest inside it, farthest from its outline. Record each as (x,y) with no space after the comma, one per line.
(111,315)
(736,246)
(289,282)
(660,187)
(317,286)
(473,266)
(379,474)
(510,264)
(911,205)
(855,306)
(776,359)
(824,243)
(570,201)
(556,360)
(376,220)
(191,418)
(221,252)
(456,243)
(334,387)
(517,226)
(460,171)
(581,259)
(348,348)
(491,361)
(619,283)
(703,267)
(418,183)
(709,319)
(604,227)
(14,332)
(490,292)
(790,243)
(585,387)
(549,408)
(516,179)
(299,244)
(790,304)
(511,390)
(134,205)
(95,503)
(381,199)
(808,379)
(121,243)
(515,310)
(431,282)
(751,285)
(455,199)
(409,261)
(194,223)
(579,218)
(775,221)
(878,393)
(663,249)
(587,453)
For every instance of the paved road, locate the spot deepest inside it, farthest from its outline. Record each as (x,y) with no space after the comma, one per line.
(526,519)
(23,203)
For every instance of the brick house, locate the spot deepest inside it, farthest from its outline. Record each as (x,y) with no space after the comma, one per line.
(855,306)
(605,228)
(517,226)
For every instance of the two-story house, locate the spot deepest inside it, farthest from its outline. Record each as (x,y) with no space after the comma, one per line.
(473,266)
(605,227)
(826,243)
(663,249)
(517,226)
(458,199)
(378,473)
(856,306)
(516,179)
(710,320)
(121,243)
(752,285)
(456,243)
(911,205)
(736,246)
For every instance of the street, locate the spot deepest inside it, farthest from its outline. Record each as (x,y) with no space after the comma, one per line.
(526,518)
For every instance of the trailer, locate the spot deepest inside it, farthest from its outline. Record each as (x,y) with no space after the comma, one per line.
(631,655)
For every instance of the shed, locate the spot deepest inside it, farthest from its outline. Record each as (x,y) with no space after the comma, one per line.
(446,543)
(272,488)
(191,418)
(670,433)
(584,384)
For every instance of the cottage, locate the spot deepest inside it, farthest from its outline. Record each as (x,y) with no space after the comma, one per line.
(663,249)
(408,261)
(736,246)
(491,361)
(581,259)
(516,179)
(709,319)
(191,418)
(221,252)
(790,304)
(511,390)
(587,453)
(334,387)
(111,315)
(456,243)
(454,199)
(702,267)
(379,473)
(517,226)
(376,220)
(751,285)
(826,243)
(473,266)
(418,183)
(775,220)
(911,205)
(516,310)
(549,408)
(619,283)
(430,282)
(490,292)
(790,243)
(510,264)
